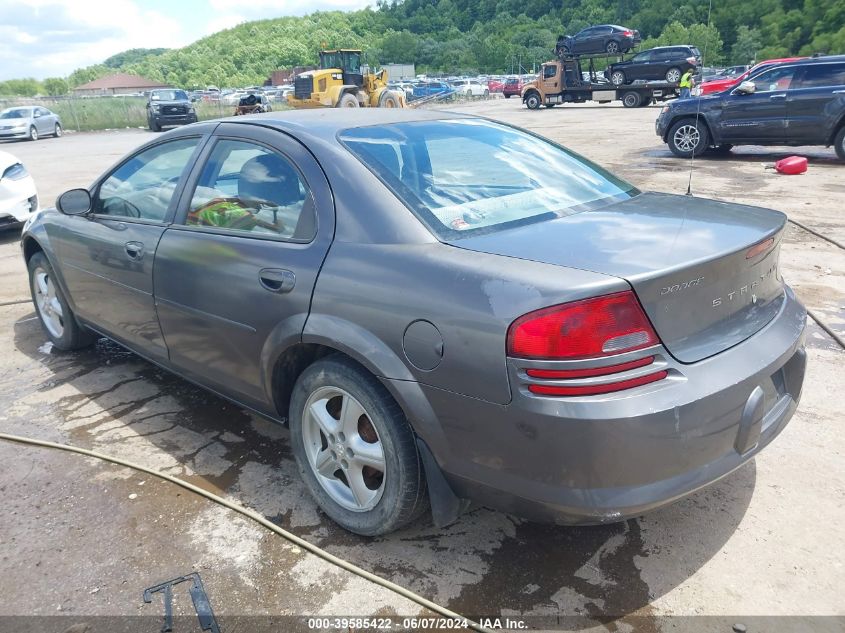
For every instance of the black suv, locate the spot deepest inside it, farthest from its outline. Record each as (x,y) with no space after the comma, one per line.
(793,103)
(667,63)
(168,107)
(604,38)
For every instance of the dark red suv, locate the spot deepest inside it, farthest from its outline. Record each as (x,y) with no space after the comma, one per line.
(513,86)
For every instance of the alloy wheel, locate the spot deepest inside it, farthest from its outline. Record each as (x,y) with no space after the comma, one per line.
(612,48)
(33,134)
(673,75)
(48,304)
(687,138)
(58,130)
(344,449)
(617,78)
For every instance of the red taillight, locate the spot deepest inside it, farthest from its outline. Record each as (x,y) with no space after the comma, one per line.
(561,374)
(590,328)
(628,33)
(692,60)
(592,390)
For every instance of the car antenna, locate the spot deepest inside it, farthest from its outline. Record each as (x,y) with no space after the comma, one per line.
(698,105)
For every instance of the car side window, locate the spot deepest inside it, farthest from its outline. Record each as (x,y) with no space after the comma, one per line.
(549,72)
(143,186)
(823,75)
(642,57)
(774,79)
(249,188)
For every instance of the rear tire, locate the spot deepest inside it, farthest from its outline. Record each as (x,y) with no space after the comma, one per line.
(508,96)
(338,410)
(632,99)
(839,143)
(348,101)
(533,101)
(57,319)
(33,133)
(688,138)
(673,75)
(612,47)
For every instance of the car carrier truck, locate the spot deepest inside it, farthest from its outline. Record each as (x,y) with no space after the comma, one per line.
(564,81)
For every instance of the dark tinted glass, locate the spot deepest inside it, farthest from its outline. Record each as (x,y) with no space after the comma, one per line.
(823,75)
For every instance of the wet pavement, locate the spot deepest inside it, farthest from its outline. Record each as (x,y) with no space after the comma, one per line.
(82,538)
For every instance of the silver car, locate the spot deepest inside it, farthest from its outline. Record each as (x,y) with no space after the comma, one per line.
(30,122)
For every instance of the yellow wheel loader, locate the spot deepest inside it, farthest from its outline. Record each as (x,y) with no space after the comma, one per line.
(341,82)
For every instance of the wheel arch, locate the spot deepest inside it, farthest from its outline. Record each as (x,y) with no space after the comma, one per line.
(714,140)
(835,129)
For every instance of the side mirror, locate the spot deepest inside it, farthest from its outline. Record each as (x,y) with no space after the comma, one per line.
(74,202)
(746,88)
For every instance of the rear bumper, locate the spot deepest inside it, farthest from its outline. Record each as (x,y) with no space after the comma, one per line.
(598,459)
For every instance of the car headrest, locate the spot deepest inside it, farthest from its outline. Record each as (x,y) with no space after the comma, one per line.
(269,177)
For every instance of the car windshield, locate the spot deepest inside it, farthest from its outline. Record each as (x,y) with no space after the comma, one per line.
(466,176)
(169,95)
(15,113)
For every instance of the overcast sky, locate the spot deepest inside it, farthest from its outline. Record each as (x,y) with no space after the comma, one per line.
(50,38)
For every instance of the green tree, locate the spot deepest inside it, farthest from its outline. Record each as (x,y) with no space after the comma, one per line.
(744,49)
(55,86)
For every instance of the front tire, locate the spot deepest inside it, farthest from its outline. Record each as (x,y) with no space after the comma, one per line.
(57,132)
(533,101)
(57,319)
(617,78)
(355,450)
(839,143)
(33,133)
(389,100)
(348,101)
(688,138)
(508,96)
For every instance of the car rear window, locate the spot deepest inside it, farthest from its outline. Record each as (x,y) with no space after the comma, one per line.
(468,176)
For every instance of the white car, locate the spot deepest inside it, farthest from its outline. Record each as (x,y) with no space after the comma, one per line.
(470,88)
(18,199)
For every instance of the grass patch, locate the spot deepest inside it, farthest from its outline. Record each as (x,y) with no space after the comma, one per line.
(109,113)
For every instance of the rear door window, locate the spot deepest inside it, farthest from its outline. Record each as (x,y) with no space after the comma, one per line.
(248,188)
(823,75)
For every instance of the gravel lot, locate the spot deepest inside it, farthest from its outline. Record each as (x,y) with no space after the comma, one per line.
(81,538)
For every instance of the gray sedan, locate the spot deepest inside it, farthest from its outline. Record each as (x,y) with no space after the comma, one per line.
(30,122)
(443,308)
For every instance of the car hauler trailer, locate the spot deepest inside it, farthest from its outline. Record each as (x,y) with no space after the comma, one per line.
(564,81)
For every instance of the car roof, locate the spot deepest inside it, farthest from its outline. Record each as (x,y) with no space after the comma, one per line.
(325,123)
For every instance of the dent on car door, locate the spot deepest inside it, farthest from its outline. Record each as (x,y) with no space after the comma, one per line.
(106,257)
(234,274)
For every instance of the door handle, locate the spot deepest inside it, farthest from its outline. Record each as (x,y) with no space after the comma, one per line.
(135,250)
(277,280)
(773,97)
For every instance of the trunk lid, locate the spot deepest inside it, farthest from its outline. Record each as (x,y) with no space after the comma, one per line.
(686,259)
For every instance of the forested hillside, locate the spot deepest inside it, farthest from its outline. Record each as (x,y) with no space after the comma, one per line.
(488,36)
